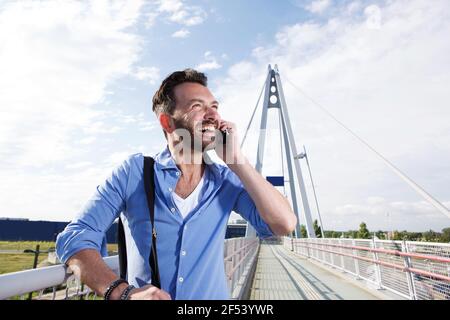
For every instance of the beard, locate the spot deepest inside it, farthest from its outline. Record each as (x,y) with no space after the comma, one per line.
(198,140)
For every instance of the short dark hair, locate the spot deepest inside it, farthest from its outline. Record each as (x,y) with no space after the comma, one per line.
(164,98)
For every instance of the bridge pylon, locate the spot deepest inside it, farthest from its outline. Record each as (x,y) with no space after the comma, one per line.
(274,99)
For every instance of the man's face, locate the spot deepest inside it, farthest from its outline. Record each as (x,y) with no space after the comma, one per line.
(196,111)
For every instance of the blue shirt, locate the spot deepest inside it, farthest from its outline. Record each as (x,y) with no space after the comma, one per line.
(190,250)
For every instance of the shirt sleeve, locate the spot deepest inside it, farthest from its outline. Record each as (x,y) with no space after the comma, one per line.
(88,229)
(247,209)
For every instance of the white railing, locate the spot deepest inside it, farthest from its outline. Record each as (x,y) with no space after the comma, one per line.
(413,270)
(58,283)
(240,257)
(55,282)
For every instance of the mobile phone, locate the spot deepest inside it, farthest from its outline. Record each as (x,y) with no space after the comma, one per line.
(225,133)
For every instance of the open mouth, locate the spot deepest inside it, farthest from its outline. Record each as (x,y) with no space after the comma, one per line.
(207,128)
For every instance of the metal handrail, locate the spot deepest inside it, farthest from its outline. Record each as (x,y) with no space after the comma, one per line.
(387,264)
(391,252)
(238,264)
(23,282)
(238,251)
(413,270)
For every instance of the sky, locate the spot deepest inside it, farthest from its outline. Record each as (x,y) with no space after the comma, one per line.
(77,79)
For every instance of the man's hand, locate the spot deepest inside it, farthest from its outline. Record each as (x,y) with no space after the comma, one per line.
(273,207)
(149,292)
(230,152)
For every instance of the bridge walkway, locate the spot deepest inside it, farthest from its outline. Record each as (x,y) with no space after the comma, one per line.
(283,275)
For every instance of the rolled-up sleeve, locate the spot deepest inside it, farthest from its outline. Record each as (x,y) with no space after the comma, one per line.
(88,229)
(247,209)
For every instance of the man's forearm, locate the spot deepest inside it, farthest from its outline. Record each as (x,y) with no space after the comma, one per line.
(275,210)
(89,267)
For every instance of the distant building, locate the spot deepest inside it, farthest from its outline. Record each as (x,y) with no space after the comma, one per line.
(27,230)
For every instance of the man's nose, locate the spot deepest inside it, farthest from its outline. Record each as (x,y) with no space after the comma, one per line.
(212,114)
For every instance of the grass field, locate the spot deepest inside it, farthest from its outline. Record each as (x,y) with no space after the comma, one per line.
(22,245)
(12,262)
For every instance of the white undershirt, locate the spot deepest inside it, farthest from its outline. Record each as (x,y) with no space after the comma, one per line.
(185,206)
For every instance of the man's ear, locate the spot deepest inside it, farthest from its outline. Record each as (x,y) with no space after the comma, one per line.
(166,122)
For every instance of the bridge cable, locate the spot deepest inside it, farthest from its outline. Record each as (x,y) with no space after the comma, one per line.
(429,198)
(254,111)
(281,150)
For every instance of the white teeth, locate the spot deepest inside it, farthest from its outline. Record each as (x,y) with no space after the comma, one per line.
(208,128)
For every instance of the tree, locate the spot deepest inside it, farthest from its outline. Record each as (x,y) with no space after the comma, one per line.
(380,235)
(352,234)
(303,232)
(363,232)
(430,236)
(445,237)
(317,229)
(396,235)
(332,234)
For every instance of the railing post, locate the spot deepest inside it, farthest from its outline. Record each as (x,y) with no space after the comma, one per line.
(306,242)
(331,254)
(409,277)
(342,256)
(322,246)
(356,260)
(229,262)
(35,262)
(377,266)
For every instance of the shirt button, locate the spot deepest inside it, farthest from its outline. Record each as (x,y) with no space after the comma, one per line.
(172,209)
(180,279)
(183,253)
(170,189)
(178,173)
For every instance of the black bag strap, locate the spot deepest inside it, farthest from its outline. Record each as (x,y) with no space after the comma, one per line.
(149,184)
(122,248)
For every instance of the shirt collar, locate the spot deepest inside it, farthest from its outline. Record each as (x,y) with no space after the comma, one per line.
(165,161)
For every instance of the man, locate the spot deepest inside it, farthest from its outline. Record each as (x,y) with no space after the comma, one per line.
(193,200)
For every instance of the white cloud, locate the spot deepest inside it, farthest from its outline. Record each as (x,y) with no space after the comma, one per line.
(318,6)
(79,165)
(151,19)
(385,74)
(57,60)
(100,127)
(385,215)
(182,33)
(210,63)
(373,14)
(88,140)
(170,5)
(149,74)
(181,13)
(136,121)
(353,7)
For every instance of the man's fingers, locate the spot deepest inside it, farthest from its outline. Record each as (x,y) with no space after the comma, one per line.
(162,295)
(223,125)
(166,296)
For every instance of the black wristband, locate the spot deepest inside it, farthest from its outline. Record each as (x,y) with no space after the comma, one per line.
(125,294)
(112,286)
